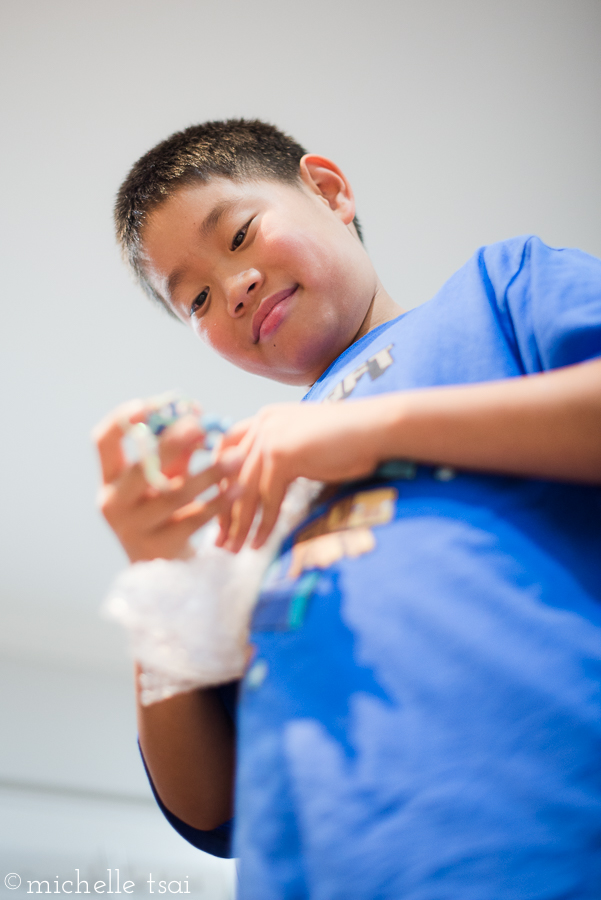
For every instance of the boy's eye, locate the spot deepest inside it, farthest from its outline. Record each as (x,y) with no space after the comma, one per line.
(198,302)
(239,238)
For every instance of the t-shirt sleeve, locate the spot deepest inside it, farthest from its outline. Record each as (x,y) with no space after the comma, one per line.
(217,842)
(549,301)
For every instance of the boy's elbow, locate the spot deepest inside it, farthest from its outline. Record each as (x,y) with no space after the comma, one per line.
(202,816)
(205,822)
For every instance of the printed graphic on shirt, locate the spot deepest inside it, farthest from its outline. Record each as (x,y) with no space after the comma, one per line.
(375,366)
(344,531)
(361,510)
(323,551)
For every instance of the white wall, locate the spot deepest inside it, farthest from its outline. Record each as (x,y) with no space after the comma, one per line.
(72,790)
(460,122)
(62,835)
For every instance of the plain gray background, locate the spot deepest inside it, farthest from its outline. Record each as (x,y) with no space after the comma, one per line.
(459,123)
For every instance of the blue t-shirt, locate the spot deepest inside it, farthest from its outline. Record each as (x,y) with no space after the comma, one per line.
(423,715)
(422,718)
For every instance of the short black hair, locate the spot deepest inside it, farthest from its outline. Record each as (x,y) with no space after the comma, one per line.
(235,148)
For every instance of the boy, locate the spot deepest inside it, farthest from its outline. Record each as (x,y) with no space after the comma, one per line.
(422,716)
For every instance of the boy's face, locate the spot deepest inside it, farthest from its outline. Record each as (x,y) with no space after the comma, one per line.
(271,275)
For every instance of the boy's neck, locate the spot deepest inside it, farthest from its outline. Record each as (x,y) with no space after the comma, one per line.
(381,309)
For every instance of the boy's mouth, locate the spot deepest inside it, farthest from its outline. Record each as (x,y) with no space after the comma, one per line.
(265,320)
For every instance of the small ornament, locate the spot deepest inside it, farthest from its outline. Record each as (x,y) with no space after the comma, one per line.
(166,410)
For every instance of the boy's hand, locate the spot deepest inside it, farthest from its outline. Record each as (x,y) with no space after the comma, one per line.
(151,523)
(324,442)
(546,426)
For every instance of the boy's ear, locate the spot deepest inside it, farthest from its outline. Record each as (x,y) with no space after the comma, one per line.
(324,178)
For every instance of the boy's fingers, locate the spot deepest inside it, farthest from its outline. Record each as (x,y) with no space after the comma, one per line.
(235,434)
(178,443)
(108,434)
(179,494)
(145,506)
(196,514)
(231,461)
(180,489)
(272,495)
(243,513)
(122,493)
(224,528)
(177,530)
(112,457)
(245,508)
(269,517)
(206,478)
(232,490)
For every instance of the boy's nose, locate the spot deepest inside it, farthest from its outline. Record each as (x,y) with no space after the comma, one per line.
(241,289)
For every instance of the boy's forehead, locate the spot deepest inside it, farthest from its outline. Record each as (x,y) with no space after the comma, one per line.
(217,196)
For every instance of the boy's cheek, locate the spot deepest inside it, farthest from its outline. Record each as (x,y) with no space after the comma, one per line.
(292,254)
(218,334)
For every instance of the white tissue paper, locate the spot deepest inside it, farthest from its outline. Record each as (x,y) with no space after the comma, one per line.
(188,620)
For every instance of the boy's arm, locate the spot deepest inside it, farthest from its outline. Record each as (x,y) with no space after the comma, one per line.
(543,426)
(187,741)
(188,747)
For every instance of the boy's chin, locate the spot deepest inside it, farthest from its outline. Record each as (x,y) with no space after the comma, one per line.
(294,368)
(301,372)
(296,355)
(285,373)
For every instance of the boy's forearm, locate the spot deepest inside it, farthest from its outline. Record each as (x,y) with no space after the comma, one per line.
(188,747)
(545,426)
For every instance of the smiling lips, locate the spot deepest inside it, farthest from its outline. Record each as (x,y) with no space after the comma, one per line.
(267,318)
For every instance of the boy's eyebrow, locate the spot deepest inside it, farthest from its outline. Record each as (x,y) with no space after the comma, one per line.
(173,281)
(212,220)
